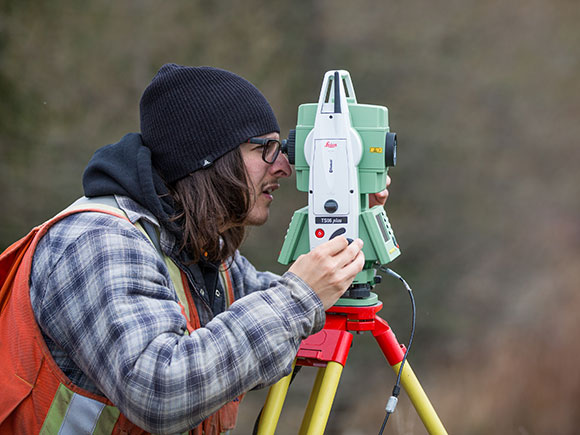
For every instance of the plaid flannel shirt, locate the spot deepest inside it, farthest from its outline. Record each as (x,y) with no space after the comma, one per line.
(105,303)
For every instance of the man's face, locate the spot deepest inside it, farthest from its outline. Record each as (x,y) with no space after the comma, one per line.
(263,179)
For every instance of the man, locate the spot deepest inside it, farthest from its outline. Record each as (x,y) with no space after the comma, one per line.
(131,303)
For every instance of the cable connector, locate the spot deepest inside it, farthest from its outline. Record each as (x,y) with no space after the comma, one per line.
(391,405)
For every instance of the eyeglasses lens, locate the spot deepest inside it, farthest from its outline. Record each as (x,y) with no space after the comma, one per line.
(271,151)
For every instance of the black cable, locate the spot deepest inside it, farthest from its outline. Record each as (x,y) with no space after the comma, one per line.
(392,403)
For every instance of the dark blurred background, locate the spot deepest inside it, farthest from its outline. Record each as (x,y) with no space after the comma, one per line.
(485,98)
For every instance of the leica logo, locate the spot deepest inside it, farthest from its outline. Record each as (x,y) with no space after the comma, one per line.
(330,145)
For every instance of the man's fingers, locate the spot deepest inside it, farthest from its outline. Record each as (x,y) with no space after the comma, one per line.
(380,198)
(349,271)
(334,246)
(356,265)
(350,261)
(330,268)
(382,195)
(351,253)
(339,253)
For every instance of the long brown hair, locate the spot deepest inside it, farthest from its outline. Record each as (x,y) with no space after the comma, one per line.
(212,205)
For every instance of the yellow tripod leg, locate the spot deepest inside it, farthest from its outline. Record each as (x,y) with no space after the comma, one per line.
(321,399)
(273,406)
(420,400)
(312,399)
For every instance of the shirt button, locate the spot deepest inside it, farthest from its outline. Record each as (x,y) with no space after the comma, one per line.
(217,293)
(202,292)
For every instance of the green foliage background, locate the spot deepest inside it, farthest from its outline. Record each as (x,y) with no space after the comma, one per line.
(485,98)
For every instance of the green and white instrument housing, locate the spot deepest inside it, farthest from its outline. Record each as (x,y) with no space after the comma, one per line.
(341,151)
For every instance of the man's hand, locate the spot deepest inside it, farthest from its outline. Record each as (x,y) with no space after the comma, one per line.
(330,268)
(380,198)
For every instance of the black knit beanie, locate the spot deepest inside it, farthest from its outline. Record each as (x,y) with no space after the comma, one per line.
(191,116)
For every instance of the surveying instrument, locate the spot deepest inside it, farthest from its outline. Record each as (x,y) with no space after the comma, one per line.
(341,151)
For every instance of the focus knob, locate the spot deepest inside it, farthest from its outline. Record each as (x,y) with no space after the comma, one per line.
(289,146)
(391,149)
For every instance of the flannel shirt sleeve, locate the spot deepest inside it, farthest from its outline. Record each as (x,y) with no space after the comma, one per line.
(108,301)
(246,279)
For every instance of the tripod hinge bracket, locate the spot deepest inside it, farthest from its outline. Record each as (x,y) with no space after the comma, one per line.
(326,345)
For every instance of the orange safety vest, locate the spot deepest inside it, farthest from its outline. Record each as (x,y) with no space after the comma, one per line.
(37,396)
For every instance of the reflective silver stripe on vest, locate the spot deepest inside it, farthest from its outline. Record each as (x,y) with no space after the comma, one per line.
(81,416)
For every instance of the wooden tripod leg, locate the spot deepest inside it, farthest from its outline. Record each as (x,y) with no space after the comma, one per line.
(321,399)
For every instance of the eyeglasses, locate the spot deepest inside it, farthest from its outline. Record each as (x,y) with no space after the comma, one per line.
(270,148)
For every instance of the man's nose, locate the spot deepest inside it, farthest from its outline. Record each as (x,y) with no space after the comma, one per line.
(281,167)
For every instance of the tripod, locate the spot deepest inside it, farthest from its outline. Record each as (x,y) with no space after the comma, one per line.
(328,350)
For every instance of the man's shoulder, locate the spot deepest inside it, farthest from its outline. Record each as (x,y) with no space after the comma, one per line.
(80,223)
(88,237)
(80,229)
(134,210)
(90,217)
